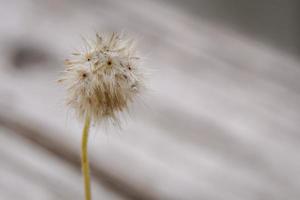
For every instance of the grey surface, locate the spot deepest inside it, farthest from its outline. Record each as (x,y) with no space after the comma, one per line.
(220,120)
(274,22)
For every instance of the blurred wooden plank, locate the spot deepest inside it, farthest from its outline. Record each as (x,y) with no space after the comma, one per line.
(40,139)
(28,171)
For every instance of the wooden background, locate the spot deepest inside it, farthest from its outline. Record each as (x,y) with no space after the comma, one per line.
(220,120)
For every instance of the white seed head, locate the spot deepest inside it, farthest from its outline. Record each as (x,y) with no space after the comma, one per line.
(104,79)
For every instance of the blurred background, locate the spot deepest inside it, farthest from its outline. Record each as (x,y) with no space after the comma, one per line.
(220,121)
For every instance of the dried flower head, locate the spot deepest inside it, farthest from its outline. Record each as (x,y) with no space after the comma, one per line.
(104,79)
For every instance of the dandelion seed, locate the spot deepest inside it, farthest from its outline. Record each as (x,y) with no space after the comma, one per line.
(97,82)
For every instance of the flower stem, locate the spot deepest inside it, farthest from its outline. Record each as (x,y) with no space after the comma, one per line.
(84,158)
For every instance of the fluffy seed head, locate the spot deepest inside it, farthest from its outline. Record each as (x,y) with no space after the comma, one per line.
(103,79)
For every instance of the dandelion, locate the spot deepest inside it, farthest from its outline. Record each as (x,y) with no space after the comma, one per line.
(101,82)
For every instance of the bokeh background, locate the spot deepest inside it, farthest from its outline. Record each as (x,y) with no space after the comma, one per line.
(220,121)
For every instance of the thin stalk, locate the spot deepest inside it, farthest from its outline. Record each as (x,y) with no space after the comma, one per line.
(84,158)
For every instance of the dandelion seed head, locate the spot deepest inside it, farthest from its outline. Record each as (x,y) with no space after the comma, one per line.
(104,79)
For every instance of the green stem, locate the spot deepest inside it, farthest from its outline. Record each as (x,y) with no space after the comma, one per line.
(84,158)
